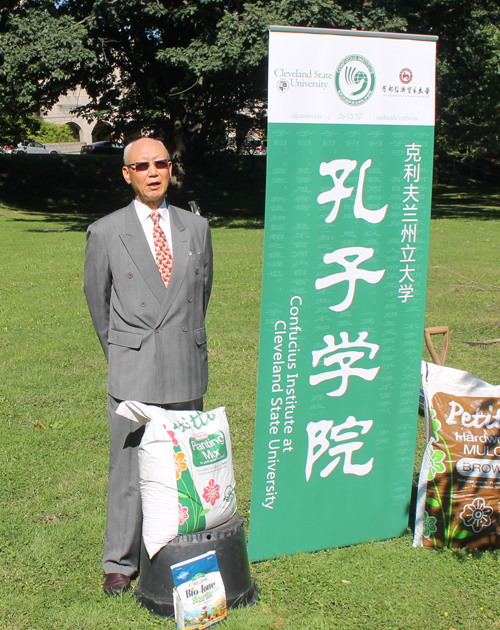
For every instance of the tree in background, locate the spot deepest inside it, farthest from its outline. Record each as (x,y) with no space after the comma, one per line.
(195,71)
(192,71)
(41,53)
(48,133)
(468,71)
(229,64)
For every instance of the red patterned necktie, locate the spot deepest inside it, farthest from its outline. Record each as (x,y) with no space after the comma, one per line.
(162,250)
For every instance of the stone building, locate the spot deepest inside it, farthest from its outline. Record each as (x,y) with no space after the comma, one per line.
(83,131)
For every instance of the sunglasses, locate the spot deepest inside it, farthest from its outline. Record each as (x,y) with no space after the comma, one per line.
(144,166)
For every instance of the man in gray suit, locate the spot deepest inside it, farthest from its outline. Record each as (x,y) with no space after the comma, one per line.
(148,276)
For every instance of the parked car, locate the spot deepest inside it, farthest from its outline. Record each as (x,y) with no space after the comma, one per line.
(6,148)
(255,147)
(102,147)
(34,147)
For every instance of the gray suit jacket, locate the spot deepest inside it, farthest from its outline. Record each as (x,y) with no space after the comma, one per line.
(154,338)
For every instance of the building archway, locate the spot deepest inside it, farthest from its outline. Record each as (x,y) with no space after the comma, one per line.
(101,131)
(76,130)
(64,112)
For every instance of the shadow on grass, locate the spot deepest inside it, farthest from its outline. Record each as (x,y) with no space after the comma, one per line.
(77,190)
(468,201)
(229,189)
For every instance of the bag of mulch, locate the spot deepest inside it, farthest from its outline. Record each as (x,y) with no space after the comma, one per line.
(199,594)
(186,471)
(459,485)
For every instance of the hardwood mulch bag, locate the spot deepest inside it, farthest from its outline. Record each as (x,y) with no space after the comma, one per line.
(459,485)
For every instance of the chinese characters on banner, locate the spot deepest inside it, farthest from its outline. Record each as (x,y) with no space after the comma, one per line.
(348,183)
(410,219)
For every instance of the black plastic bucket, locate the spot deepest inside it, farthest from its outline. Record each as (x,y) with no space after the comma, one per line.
(154,590)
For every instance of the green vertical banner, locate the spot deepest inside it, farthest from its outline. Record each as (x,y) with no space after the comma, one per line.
(348,198)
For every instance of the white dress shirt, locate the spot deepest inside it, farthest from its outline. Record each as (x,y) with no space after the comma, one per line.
(144,214)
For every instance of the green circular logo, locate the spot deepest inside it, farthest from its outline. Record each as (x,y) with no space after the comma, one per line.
(354,80)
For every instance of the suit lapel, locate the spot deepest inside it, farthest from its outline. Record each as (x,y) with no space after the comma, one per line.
(135,241)
(180,245)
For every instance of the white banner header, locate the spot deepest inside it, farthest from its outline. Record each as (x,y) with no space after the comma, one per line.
(351,81)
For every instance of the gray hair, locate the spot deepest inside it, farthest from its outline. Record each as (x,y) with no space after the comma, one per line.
(127,149)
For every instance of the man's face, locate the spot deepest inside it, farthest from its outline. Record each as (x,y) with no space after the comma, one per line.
(150,185)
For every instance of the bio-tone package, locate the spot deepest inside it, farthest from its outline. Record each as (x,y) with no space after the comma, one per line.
(186,471)
(199,594)
(459,485)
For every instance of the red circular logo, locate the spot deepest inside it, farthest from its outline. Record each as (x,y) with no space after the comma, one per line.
(406,75)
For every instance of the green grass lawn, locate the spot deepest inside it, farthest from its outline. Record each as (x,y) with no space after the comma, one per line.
(53,429)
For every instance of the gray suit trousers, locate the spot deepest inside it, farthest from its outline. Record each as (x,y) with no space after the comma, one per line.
(122,542)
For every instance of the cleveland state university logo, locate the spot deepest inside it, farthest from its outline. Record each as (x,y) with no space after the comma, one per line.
(354,80)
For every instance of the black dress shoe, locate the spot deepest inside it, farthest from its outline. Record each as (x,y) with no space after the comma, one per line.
(116,583)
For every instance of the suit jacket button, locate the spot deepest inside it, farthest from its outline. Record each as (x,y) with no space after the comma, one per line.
(130,275)
(143,303)
(184,329)
(197,271)
(157,330)
(190,299)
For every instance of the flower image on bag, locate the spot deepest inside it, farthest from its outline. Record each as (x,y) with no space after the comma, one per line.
(180,464)
(211,492)
(183,514)
(476,515)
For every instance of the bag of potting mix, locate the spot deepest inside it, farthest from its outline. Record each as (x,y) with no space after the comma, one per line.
(459,486)
(186,471)
(199,594)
